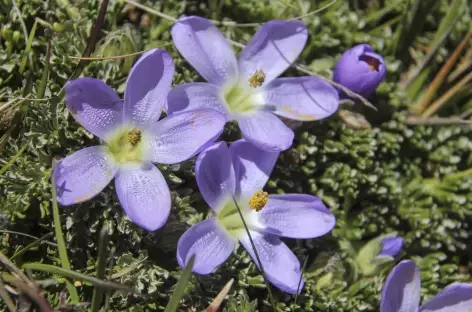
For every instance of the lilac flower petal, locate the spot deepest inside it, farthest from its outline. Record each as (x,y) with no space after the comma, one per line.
(252,167)
(280,264)
(401,291)
(456,297)
(266,131)
(205,48)
(274,47)
(144,195)
(178,137)
(147,87)
(296,215)
(215,174)
(302,98)
(94,105)
(83,174)
(391,246)
(195,95)
(208,242)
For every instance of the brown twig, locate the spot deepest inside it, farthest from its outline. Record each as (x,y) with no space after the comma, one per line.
(437,121)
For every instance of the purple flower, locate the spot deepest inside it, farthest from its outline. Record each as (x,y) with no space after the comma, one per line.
(391,246)
(248,91)
(360,70)
(241,171)
(134,138)
(401,293)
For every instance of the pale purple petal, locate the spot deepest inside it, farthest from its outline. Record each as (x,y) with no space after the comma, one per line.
(302,98)
(181,136)
(279,263)
(274,47)
(83,174)
(210,244)
(94,105)
(391,246)
(147,87)
(401,291)
(144,195)
(205,48)
(456,297)
(252,167)
(296,216)
(195,95)
(266,131)
(215,174)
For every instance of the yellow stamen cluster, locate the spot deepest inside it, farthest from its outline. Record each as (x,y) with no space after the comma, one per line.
(257,79)
(134,137)
(258,200)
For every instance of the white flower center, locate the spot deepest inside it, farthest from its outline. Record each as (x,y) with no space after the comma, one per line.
(244,97)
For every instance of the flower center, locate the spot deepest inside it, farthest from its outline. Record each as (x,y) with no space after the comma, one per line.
(257,79)
(372,62)
(230,220)
(125,145)
(258,200)
(243,97)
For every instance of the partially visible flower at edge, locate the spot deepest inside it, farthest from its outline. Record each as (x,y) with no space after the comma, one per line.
(391,246)
(248,90)
(134,138)
(401,293)
(360,69)
(240,172)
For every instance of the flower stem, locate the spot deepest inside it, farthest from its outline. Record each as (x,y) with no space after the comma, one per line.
(266,281)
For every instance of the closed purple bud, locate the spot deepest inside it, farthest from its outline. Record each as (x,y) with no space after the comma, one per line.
(360,70)
(391,246)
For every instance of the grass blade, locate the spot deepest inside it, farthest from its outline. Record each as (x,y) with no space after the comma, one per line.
(31,245)
(13,159)
(6,297)
(28,47)
(101,263)
(216,303)
(180,288)
(78,276)
(442,75)
(60,239)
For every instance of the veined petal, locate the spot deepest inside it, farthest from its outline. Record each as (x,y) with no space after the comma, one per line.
(147,87)
(274,47)
(208,242)
(191,96)
(205,48)
(302,98)
(401,291)
(181,136)
(252,167)
(278,261)
(266,131)
(144,195)
(83,175)
(94,105)
(456,297)
(215,174)
(296,215)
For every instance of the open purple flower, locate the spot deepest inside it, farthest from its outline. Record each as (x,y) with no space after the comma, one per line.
(240,172)
(391,246)
(248,90)
(134,138)
(360,69)
(401,293)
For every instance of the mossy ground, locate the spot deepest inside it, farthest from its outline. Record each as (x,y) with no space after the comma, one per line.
(392,177)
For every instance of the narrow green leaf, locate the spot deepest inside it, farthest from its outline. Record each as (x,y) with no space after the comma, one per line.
(13,159)
(101,263)
(78,276)
(180,288)
(28,47)
(60,239)
(31,245)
